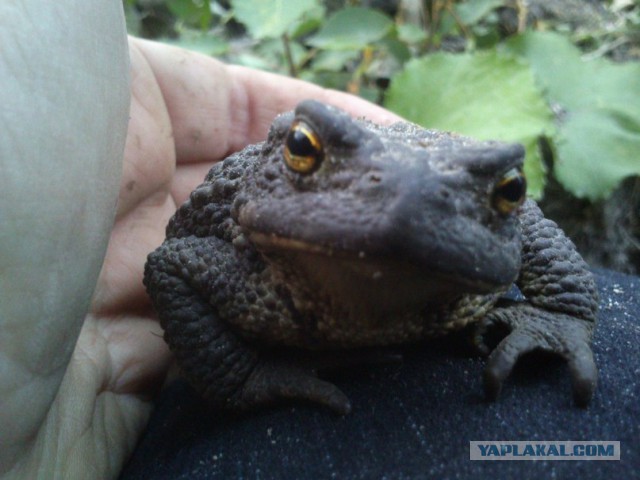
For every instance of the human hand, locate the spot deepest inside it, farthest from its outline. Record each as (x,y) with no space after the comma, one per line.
(187,112)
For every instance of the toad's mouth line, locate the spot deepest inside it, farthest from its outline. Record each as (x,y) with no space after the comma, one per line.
(468,279)
(271,240)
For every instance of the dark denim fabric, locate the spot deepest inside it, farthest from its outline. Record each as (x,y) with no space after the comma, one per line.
(415,420)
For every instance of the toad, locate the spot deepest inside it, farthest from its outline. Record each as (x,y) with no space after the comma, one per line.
(336,234)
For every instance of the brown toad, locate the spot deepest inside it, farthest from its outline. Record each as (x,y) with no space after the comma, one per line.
(337,233)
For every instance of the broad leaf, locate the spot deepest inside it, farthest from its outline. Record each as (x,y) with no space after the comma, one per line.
(192,12)
(573,82)
(410,33)
(270,18)
(486,95)
(599,121)
(595,150)
(333,60)
(472,12)
(352,28)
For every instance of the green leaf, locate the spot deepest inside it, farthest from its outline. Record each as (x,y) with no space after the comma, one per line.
(270,18)
(410,33)
(486,95)
(272,51)
(133,19)
(389,58)
(352,28)
(576,83)
(335,80)
(395,48)
(305,27)
(473,11)
(599,125)
(192,12)
(595,150)
(333,60)
(310,21)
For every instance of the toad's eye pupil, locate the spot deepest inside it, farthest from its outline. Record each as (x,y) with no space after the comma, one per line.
(513,190)
(510,191)
(299,143)
(303,150)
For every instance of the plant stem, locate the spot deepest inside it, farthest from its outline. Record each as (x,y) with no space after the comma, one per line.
(289,57)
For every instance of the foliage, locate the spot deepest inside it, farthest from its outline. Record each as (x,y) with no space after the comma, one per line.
(271,19)
(598,142)
(477,67)
(486,95)
(351,29)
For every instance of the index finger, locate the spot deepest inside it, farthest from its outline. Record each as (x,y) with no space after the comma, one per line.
(216,109)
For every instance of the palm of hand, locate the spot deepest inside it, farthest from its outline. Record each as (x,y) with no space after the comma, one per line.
(187,112)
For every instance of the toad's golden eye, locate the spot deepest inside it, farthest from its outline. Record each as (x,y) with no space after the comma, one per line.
(302,148)
(509,192)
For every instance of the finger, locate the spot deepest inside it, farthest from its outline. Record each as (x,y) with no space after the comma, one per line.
(149,156)
(187,177)
(132,238)
(127,354)
(216,109)
(269,94)
(104,400)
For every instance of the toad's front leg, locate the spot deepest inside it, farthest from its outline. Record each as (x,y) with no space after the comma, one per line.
(559,311)
(189,280)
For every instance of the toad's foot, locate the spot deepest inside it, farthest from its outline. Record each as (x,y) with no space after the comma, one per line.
(273,381)
(293,376)
(534,329)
